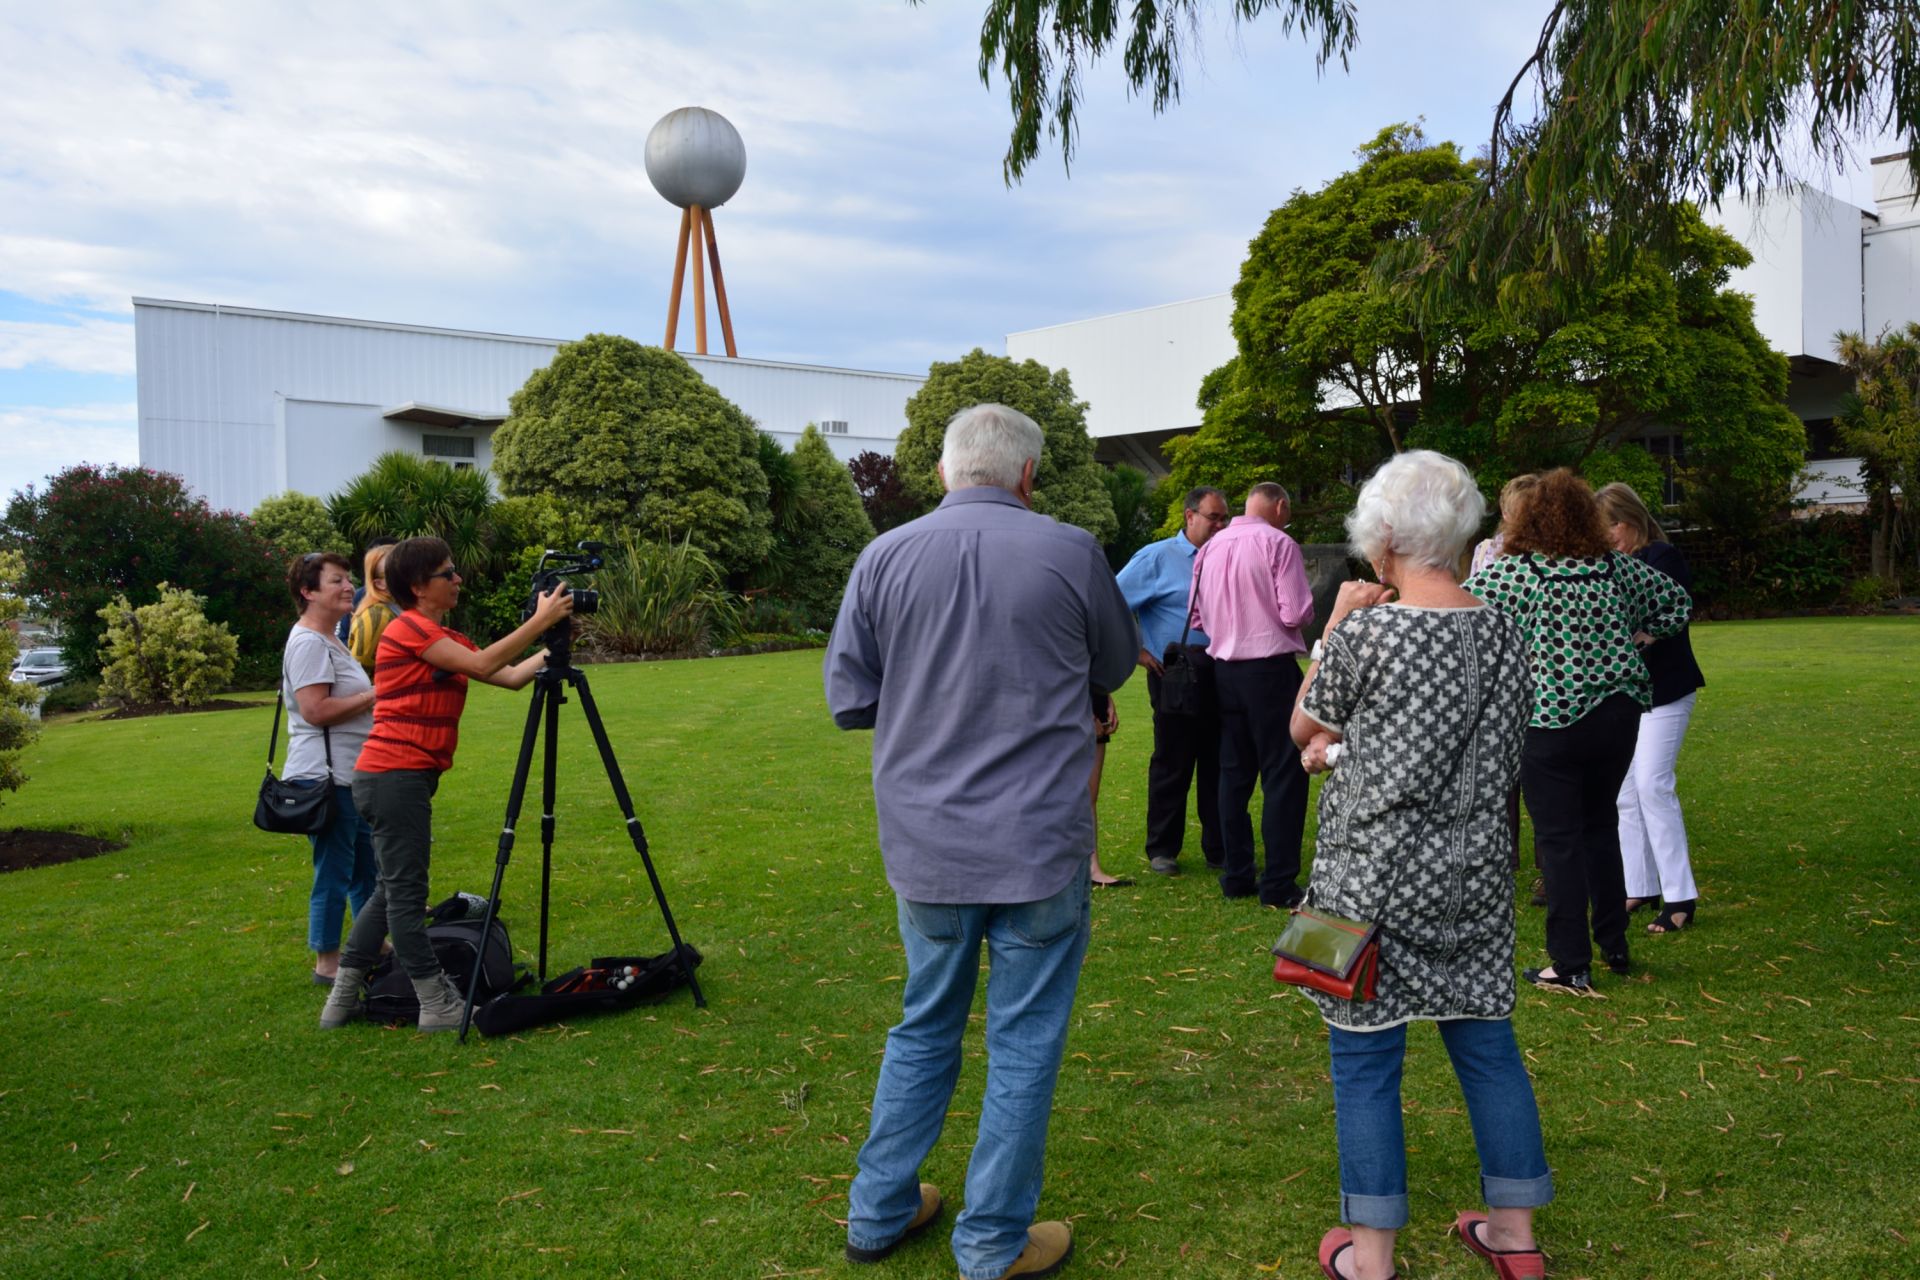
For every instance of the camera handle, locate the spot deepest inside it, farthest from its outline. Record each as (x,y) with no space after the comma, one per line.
(544,712)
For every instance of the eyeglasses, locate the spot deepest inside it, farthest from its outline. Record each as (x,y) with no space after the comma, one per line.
(1212,519)
(449,573)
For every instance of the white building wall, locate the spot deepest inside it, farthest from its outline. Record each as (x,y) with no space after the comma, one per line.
(1138,371)
(246,403)
(1805,279)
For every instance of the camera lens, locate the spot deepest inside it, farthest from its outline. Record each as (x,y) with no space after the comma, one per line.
(586,600)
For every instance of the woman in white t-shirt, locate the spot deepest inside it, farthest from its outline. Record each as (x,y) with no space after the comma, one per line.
(329,713)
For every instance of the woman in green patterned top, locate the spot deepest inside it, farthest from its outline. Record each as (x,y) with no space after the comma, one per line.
(1586,612)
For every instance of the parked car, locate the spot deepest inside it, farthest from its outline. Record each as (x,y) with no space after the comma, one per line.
(43,667)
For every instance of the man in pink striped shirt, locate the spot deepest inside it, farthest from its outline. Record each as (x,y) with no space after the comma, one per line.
(1251,597)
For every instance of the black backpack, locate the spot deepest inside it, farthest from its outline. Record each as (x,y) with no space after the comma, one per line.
(454,931)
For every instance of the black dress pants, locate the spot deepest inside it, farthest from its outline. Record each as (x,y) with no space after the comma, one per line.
(1571,778)
(1256,704)
(1182,746)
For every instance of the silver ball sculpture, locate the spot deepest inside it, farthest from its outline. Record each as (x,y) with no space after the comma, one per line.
(695,157)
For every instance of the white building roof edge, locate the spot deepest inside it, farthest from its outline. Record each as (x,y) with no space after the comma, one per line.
(1112,315)
(349,322)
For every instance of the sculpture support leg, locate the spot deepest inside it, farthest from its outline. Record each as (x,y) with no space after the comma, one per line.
(719,284)
(679,276)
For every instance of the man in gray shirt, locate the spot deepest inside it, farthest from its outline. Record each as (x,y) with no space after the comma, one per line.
(967,641)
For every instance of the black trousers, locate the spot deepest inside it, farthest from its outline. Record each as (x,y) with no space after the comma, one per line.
(1182,746)
(1571,778)
(1256,703)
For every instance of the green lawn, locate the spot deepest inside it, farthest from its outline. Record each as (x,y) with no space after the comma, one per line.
(1745,1106)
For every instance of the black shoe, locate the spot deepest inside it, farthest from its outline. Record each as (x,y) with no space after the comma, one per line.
(1620,962)
(1215,862)
(1162,865)
(1285,901)
(1236,892)
(1573,984)
(1539,898)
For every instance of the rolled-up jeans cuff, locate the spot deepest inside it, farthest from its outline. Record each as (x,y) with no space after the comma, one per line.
(1517,1193)
(1385,1213)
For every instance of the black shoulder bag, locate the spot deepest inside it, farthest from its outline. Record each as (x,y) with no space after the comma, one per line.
(1179,680)
(287,808)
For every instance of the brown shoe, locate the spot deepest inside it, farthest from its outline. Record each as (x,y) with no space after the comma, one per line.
(930,1206)
(1049,1245)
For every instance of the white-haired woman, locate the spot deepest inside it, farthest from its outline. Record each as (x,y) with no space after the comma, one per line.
(1426,689)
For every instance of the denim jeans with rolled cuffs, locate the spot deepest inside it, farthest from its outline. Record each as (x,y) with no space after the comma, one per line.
(343,868)
(1367,1119)
(1034,952)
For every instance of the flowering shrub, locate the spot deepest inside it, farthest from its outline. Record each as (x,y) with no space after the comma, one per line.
(16,728)
(97,533)
(165,652)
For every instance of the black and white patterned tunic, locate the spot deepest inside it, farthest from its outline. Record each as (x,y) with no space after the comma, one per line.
(1433,707)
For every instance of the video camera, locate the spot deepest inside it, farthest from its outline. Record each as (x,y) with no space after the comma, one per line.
(554,568)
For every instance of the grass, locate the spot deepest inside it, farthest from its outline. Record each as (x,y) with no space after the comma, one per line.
(1745,1106)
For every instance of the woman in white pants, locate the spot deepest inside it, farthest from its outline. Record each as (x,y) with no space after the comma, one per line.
(1653,833)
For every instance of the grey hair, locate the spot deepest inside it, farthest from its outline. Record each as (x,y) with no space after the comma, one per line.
(989,444)
(1270,490)
(1421,505)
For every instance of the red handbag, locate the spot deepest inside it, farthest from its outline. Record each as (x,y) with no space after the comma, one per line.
(1328,953)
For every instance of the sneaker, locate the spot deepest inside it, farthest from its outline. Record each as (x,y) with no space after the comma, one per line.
(930,1206)
(1163,866)
(1049,1245)
(1573,984)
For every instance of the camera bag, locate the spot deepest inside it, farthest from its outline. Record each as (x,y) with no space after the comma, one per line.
(579,991)
(454,931)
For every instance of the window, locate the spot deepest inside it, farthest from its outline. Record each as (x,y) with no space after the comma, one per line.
(447,447)
(833,426)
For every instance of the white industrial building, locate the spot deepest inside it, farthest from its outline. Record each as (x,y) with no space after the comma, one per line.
(245,404)
(1820,266)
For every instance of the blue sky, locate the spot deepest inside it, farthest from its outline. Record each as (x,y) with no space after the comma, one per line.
(477,164)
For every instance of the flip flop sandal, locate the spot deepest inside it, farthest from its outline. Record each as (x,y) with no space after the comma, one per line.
(1332,1245)
(1123,882)
(1508,1264)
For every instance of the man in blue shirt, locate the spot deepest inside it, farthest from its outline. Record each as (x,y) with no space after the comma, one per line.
(967,641)
(1156,582)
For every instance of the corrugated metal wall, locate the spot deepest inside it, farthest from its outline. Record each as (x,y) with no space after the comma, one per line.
(1139,371)
(246,404)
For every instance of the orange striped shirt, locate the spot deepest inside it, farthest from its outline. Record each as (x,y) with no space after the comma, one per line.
(417,706)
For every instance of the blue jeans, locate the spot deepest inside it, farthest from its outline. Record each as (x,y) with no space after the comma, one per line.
(1034,951)
(1373,1147)
(343,869)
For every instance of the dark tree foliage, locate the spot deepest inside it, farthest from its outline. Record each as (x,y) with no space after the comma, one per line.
(1131,491)
(831,528)
(95,533)
(877,480)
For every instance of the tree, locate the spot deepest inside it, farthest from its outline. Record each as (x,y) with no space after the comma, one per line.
(1641,104)
(295,523)
(16,726)
(95,533)
(877,480)
(166,651)
(1026,37)
(1335,369)
(832,528)
(1880,421)
(1067,484)
(1131,491)
(403,495)
(633,438)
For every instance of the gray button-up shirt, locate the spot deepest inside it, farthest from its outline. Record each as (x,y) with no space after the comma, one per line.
(966,641)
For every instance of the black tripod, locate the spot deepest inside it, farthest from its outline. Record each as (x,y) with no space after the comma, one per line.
(548,693)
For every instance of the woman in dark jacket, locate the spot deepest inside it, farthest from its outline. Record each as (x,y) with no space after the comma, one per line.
(1653,833)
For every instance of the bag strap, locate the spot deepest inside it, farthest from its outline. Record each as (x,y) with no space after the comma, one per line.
(1192,593)
(273,737)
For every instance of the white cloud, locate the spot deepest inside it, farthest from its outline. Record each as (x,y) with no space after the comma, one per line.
(37,441)
(88,346)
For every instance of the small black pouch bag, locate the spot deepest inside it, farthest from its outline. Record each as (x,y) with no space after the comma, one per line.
(288,808)
(1179,680)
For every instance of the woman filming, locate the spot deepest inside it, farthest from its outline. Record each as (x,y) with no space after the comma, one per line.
(329,711)
(421,678)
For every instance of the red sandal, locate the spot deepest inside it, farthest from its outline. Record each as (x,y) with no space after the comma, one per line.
(1332,1245)
(1508,1264)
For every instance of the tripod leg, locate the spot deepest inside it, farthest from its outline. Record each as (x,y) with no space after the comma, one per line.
(578,679)
(515,797)
(549,767)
